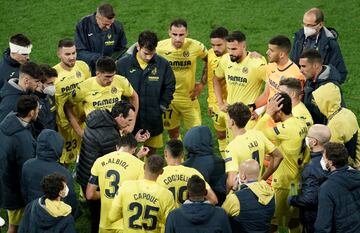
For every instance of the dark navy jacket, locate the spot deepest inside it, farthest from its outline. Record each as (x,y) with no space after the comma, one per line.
(36,219)
(17,146)
(100,138)
(327,46)
(91,42)
(9,68)
(199,145)
(9,96)
(339,202)
(48,151)
(253,217)
(311,179)
(47,115)
(329,74)
(193,217)
(155,86)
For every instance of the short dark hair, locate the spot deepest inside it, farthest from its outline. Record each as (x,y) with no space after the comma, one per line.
(196,186)
(52,184)
(336,153)
(175,147)
(312,55)
(219,32)
(148,40)
(106,10)
(286,103)
(155,164)
(105,65)
(47,72)
(32,69)
(20,39)
(319,15)
(293,84)
(121,107)
(283,42)
(240,113)
(127,140)
(25,104)
(178,23)
(236,36)
(66,42)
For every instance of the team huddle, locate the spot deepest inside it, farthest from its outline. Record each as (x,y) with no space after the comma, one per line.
(289,149)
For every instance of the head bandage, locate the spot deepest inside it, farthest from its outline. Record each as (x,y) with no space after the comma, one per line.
(14,48)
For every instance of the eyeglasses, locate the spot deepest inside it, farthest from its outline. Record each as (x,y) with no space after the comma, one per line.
(310,25)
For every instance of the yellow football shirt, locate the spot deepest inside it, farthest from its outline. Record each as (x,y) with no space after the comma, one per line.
(251,145)
(143,204)
(93,96)
(301,112)
(175,179)
(111,171)
(289,138)
(243,80)
(274,74)
(212,63)
(183,63)
(65,83)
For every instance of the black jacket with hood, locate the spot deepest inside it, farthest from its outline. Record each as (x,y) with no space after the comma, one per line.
(9,96)
(9,68)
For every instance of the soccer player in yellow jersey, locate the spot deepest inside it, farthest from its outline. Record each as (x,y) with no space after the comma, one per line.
(176,176)
(70,73)
(143,204)
(279,67)
(293,88)
(182,53)
(218,44)
(101,92)
(108,173)
(247,144)
(289,134)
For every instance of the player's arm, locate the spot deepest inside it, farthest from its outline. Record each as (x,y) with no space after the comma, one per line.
(230,180)
(211,196)
(82,45)
(231,205)
(134,100)
(199,87)
(70,115)
(218,94)
(263,98)
(92,192)
(275,159)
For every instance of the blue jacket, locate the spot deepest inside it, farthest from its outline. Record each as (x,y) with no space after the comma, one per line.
(36,219)
(199,145)
(311,179)
(329,74)
(327,46)
(9,96)
(155,86)
(17,146)
(9,68)
(47,115)
(339,202)
(48,151)
(91,42)
(197,217)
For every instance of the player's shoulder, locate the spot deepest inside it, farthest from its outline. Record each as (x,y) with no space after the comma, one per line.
(82,65)
(256,61)
(163,44)
(58,67)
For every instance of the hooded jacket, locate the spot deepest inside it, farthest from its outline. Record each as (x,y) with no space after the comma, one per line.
(251,208)
(48,152)
(199,145)
(9,68)
(327,46)
(328,76)
(197,217)
(100,137)
(36,219)
(155,86)
(339,202)
(17,146)
(342,122)
(9,96)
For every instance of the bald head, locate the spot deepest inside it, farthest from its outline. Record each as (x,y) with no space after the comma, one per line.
(320,132)
(249,170)
(317,13)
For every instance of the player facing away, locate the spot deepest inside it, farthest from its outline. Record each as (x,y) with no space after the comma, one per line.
(182,53)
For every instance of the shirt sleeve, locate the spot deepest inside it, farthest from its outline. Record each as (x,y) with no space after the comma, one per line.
(202,51)
(219,70)
(128,89)
(231,162)
(231,205)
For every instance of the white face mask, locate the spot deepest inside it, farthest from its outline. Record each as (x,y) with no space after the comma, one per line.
(307,142)
(309,31)
(323,164)
(65,191)
(49,90)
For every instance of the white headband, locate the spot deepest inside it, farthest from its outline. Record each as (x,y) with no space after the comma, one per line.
(14,48)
